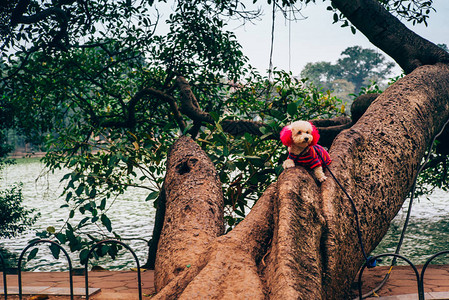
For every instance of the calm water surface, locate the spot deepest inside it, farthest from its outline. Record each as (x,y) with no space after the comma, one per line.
(427,232)
(132,217)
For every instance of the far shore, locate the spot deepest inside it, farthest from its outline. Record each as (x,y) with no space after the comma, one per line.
(18,154)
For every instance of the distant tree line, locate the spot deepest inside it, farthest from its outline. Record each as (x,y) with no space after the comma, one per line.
(356,68)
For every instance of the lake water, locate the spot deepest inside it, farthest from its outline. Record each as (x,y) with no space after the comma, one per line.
(427,232)
(133,217)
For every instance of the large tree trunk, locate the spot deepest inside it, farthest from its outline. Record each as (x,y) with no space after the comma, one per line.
(193,211)
(377,159)
(300,239)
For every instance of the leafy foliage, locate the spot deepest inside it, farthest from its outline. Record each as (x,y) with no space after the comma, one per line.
(435,175)
(59,25)
(14,218)
(415,11)
(85,129)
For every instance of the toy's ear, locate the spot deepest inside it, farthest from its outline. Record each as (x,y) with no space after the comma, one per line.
(315,135)
(286,136)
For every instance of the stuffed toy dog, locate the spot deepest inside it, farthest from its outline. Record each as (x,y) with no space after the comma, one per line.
(301,138)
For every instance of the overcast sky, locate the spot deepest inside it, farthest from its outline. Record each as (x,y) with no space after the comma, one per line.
(317,39)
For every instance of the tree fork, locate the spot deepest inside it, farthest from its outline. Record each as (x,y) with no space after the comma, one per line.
(213,268)
(314,251)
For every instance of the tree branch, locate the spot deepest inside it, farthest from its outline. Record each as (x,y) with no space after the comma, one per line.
(173,106)
(385,31)
(42,15)
(329,128)
(62,19)
(239,127)
(376,161)
(189,103)
(129,114)
(18,12)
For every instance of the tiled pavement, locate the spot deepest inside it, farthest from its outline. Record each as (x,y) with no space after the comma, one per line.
(105,285)
(122,285)
(402,284)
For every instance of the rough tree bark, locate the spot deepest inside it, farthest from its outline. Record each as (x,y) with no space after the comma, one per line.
(378,159)
(186,233)
(299,241)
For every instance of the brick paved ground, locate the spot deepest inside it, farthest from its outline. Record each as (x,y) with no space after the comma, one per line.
(402,281)
(112,285)
(123,285)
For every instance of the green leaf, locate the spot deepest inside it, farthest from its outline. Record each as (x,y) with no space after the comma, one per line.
(102,204)
(55,250)
(84,220)
(277,114)
(106,222)
(335,16)
(32,254)
(83,256)
(43,234)
(292,108)
(113,250)
(214,116)
(93,193)
(65,177)
(104,250)
(153,195)
(219,128)
(68,196)
(113,161)
(61,238)
(79,190)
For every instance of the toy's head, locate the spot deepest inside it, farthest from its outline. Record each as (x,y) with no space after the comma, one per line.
(300,133)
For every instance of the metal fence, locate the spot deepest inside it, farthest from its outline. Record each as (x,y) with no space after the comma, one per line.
(86,273)
(419,277)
